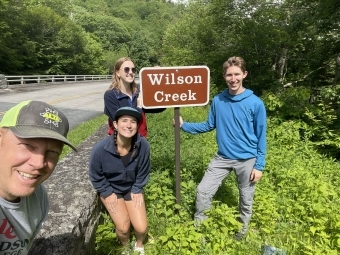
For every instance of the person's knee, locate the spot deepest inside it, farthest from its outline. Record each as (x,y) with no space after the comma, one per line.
(141,230)
(123,230)
(208,188)
(247,190)
(203,194)
(201,190)
(203,201)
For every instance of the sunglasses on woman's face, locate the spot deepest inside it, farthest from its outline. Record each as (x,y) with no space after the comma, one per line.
(127,69)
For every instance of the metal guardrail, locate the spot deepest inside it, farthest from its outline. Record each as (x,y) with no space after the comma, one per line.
(33,79)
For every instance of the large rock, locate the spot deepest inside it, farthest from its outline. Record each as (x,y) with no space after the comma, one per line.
(74,206)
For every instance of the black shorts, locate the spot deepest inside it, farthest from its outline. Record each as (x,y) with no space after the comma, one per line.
(126,196)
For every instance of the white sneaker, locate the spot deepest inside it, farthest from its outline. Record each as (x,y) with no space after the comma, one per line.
(126,250)
(138,249)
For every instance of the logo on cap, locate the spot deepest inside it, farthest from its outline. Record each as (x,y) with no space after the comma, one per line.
(51,116)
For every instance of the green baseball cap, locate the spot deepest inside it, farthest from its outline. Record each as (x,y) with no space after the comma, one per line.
(37,119)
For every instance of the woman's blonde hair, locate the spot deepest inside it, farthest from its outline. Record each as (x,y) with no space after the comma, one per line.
(115,79)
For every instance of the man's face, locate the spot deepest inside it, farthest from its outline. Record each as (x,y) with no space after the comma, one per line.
(234,77)
(25,163)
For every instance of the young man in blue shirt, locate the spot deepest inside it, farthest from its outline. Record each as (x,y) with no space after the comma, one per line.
(239,118)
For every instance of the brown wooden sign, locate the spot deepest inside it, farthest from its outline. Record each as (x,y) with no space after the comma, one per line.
(174,86)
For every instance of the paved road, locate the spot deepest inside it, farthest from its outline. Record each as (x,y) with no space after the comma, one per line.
(79,101)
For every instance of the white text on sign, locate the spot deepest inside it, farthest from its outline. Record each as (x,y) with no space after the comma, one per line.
(174,86)
(156,79)
(161,97)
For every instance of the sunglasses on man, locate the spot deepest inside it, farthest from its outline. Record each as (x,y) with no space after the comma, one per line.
(127,69)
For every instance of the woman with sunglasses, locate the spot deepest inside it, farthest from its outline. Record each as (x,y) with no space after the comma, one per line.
(119,169)
(125,92)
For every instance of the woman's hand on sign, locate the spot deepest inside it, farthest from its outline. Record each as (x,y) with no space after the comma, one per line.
(139,100)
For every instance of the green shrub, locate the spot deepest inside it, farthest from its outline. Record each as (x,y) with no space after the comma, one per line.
(296,202)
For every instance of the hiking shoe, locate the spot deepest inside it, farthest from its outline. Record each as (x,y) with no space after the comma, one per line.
(239,236)
(138,249)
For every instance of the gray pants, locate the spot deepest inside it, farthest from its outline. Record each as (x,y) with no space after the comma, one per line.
(218,169)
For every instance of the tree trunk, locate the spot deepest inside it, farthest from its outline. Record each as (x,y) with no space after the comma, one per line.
(282,64)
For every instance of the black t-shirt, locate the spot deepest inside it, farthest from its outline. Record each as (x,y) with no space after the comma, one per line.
(126,158)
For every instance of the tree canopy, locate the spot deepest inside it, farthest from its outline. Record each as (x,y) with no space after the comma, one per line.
(80,37)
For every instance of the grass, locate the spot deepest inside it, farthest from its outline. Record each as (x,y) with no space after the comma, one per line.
(77,135)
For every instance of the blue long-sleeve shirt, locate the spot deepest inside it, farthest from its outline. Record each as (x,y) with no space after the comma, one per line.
(108,173)
(240,122)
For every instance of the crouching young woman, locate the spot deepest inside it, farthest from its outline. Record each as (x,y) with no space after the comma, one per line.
(119,169)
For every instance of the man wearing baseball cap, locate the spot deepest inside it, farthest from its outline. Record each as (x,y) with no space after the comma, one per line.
(32,136)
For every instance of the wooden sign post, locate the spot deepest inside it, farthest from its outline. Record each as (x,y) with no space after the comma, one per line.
(174,87)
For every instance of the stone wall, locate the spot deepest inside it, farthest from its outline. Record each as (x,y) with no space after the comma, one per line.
(74,206)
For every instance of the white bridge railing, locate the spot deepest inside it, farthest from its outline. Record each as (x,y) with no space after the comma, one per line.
(31,79)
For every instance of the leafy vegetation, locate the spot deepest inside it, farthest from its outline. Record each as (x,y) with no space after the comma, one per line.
(295,201)
(81,37)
